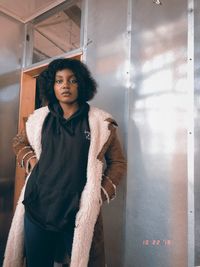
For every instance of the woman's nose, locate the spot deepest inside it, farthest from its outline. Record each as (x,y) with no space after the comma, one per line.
(66,84)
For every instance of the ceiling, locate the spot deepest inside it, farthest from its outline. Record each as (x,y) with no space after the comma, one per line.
(56,33)
(25,11)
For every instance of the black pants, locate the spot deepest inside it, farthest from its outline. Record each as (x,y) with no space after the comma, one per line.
(42,247)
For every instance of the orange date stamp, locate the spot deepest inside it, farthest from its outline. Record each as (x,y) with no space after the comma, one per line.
(157,242)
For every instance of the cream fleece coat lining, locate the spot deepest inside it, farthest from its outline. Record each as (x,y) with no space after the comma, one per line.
(90,201)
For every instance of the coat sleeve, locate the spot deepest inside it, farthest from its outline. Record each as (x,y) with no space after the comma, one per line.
(23,150)
(116,165)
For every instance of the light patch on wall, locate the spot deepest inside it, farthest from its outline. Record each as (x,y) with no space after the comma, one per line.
(9,93)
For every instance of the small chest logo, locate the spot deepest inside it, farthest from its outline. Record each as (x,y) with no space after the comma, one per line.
(87,135)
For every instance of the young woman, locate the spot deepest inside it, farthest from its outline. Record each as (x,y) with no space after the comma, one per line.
(63,147)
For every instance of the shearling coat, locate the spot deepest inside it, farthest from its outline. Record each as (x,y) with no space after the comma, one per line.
(87,247)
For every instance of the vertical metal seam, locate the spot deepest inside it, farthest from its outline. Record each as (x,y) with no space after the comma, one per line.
(24,46)
(128,69)
(127,110)
(190,134)
(28,45)
(84,31)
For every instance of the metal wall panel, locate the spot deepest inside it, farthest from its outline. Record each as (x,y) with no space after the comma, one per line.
(137,51)
(10,63)
(106,54)
(197,129)
(156,206)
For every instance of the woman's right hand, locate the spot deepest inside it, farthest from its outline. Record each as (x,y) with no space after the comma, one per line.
(33,162)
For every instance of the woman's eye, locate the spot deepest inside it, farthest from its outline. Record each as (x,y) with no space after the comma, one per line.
(58,81)
(72,81)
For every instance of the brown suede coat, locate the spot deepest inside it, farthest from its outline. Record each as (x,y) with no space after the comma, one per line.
(115,170)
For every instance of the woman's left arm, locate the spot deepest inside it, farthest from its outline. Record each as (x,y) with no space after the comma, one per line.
(116,166)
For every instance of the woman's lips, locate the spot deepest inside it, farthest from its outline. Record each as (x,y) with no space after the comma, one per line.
(66,94)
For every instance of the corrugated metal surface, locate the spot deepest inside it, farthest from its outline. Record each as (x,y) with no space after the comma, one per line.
(10,62)
(156,206)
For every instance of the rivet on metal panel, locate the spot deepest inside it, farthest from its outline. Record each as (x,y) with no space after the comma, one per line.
(89,41)
(157,2)
(27,37)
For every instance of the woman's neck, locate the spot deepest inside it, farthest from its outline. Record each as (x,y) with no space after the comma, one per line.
(69,109)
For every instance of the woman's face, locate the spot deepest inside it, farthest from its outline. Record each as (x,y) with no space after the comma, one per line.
(66,86)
